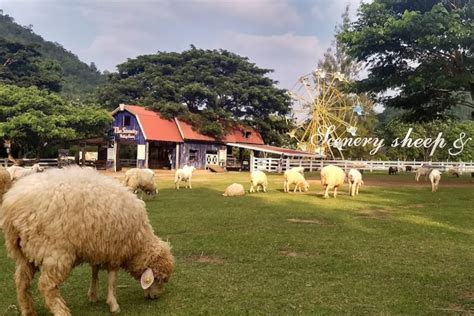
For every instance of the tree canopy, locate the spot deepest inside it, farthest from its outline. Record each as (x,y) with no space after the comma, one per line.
(422,50)
(21,65)
(34,118)
(210,88)
(78,79)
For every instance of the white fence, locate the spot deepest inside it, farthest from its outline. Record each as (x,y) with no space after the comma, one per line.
(279,165)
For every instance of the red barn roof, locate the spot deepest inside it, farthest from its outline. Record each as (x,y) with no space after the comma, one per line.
(156,128)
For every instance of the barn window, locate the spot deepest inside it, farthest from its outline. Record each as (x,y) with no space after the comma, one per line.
(126,120)
(192,155)
(247,134)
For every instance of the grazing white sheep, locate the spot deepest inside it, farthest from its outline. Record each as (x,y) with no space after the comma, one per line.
(55,220)
(422,171)
(298,169)
(5,181)
(294,177)
(141,179)
(17,172)
(452,171)
(331,178)
(258,179)
(354,178)
(435,177)
(185,174)
(235,189)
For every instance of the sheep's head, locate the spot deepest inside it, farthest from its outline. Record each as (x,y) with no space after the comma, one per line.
(160,264)
(306,186)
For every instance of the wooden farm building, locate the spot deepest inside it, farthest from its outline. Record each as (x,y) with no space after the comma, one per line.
(143,138)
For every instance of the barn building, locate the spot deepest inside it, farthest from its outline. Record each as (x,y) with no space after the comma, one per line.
(149,140)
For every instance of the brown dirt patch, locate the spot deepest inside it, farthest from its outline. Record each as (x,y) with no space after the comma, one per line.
(308,221)
(294,254)
(207,259)
(404,182)
(373,214)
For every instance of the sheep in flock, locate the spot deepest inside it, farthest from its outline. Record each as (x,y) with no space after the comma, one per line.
(298,169)
(5,181)
(422,171)
(354,178)
(435,177)
(141,179)
(452,171)
(392,171)
(294,177)
(185,174)
(331,178)
(235,189)
(17,172)
(258,179)
(55,220)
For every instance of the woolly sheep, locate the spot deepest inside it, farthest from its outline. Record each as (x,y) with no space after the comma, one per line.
(5,181)
(392,170)
(331,178)
(354,178)
(55,220)
(141,179)
(435,177)
(235,189)
(298,169)
(185,174)
(452,171)
(258,179)
(17,172)
(422,171)
(294,177)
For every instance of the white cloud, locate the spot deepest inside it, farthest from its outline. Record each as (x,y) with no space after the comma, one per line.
(273,12)
(288,54)
(325,11)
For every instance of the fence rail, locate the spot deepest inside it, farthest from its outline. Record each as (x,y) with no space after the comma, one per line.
(280,165)
(44,162)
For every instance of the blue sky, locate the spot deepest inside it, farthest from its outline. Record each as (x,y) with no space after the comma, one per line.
(287,36)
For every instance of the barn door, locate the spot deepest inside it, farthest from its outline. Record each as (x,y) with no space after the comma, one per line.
(212,159)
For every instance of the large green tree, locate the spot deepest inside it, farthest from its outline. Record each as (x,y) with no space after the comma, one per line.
(21,65)
(210,88)
(34,119)
(419,50)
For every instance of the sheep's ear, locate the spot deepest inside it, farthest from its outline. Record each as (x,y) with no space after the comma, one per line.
(147,279)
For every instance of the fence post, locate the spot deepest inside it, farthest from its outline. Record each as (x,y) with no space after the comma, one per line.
(311,165)
(252,162)
(287,163)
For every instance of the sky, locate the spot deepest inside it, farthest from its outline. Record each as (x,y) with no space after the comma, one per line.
(288,36)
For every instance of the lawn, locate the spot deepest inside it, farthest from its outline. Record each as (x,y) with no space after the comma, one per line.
(397,248)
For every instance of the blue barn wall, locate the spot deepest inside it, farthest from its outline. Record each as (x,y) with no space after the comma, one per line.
(118,122)
(201,148)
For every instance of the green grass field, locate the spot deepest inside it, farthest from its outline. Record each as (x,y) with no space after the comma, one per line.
(397,248)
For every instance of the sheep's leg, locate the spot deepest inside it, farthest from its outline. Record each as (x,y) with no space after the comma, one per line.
(285,186)
(350,188)
(93,287)
(53,273)
(264,189)
(112,292)
(190,186)
(326,193)
(251,188)
(24,274)
(335,192)
(357,189)
(296,187)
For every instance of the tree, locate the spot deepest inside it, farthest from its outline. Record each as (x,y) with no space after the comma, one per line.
(21,65)
(211,88)
(421,49)
(34,118)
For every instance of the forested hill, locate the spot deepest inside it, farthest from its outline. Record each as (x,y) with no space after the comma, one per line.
(79,78)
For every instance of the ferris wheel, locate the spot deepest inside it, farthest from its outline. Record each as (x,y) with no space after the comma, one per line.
(324,111)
